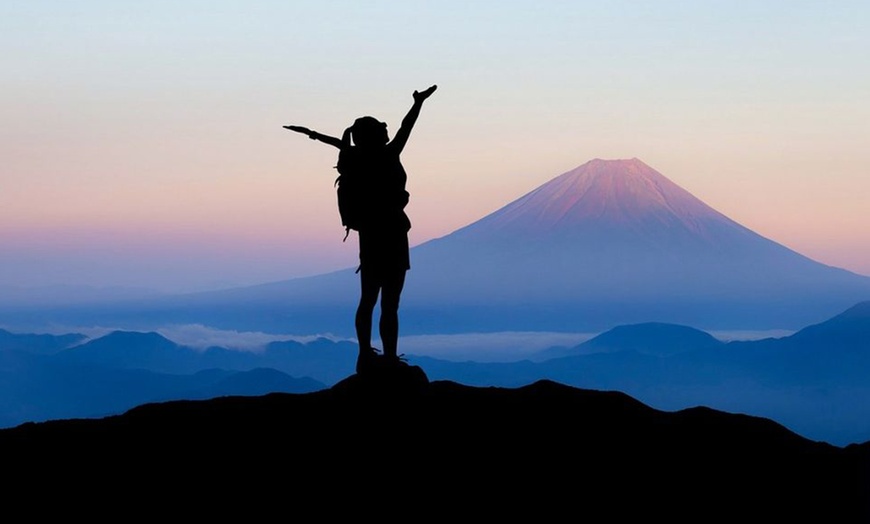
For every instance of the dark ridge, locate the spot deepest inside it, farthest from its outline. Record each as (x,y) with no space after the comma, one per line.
(400,445)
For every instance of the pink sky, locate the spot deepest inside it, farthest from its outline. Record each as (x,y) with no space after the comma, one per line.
(144,147)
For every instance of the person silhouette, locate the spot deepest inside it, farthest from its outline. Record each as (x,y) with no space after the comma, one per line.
(384,252)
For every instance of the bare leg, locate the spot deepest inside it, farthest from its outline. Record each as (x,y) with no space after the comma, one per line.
(389,323)
(369,288)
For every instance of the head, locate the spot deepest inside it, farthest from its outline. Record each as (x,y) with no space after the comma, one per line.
(368,131)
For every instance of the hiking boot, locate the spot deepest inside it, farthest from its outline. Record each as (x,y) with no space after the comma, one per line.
(367,359)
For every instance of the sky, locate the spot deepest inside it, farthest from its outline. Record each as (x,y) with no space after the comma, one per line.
(142,144)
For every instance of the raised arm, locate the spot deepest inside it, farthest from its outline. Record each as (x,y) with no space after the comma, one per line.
(314,135)
(410,119)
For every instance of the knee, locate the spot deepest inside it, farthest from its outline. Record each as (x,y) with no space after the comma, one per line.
(367,303)
(389,306)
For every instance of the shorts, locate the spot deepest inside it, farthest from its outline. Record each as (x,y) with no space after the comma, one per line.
(384,251)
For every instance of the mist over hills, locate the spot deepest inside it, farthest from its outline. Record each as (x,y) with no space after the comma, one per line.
(321,358)
(611,242)
(49,377)
(815,381)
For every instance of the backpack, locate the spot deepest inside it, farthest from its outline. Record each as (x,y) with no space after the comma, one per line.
(360,197)
(351,190)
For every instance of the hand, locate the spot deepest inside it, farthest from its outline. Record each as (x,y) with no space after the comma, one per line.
(299,129)
(420,96)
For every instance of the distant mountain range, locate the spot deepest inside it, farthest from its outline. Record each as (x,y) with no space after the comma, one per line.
(46,377)
(815,382)
(397,445)
(609,243)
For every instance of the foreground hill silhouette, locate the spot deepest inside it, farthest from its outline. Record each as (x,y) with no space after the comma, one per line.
(400,444)
(815,381)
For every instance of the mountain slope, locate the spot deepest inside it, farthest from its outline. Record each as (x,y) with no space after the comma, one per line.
(619,199)
(652,338)
(850,328)
(42,344)
(256,382)
(611,242)
(133,350)
(615,242)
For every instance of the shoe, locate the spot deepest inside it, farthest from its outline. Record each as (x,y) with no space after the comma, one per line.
(367,359)
(395,360)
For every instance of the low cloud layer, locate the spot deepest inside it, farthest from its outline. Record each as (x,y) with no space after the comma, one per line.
(201,337)
(480,347)
(488,347)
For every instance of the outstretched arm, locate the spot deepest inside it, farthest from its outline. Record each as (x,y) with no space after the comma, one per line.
(410,119)
(314,135)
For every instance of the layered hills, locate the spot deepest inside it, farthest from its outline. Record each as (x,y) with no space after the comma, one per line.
(815,381)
